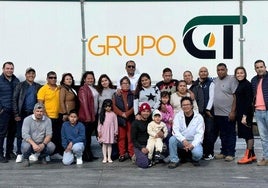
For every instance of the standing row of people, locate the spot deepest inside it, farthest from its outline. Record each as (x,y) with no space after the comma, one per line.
(221,102)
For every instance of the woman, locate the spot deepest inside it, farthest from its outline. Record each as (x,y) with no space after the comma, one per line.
(182,91)
(68,96)
(105,88)
(244,114)
(123,108)
(88,110)
(145,92)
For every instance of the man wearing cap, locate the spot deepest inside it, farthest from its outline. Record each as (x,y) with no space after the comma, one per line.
(188,133)
(24,99)
(37,134)
(49,95)
(8,82)
(140,136)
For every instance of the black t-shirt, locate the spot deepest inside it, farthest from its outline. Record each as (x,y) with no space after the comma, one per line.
(139,134)
(188,119)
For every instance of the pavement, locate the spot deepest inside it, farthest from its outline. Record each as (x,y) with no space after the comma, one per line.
(214,173)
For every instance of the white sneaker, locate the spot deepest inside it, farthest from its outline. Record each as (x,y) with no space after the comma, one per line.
(48,158)
(19,158)
(79,161)
(56,156)
(34,157)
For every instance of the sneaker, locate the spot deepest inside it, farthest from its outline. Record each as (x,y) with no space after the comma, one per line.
(3,159)
(34,157)
(173,165)
(219,156)
(19,158)
(229,158)
(133,159)
(26,163)
(195,163)
(122,158)
(56,156)
(208,157)
(79,160)
(150,163)
(263,162)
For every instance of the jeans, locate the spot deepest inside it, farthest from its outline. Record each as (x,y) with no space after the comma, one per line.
(209,136)
(174,144)
(7,129)
(27,150)
(262,122)
(227,135)
(77,150)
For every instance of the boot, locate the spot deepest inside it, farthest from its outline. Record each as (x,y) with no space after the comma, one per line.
(253,156)
(246,159)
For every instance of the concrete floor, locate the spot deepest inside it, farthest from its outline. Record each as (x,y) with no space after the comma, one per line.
(214,173)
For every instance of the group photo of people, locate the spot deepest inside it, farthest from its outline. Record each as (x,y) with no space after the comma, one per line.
(176,120)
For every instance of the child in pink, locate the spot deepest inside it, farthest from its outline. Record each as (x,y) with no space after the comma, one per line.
(167,113)
(107,130)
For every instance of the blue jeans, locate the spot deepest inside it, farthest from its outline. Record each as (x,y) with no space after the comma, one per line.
(262,122)
(227,135)
(174,144)
(27,150)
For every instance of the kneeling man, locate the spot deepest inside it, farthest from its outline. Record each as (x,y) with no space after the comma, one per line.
(188,133)
(37,134)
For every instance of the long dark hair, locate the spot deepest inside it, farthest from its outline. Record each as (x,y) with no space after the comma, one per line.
(139,85)
(106,102)
(100,87)
(63,78)
(82,82)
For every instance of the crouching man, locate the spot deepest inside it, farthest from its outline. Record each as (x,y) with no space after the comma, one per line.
(188,133)
(37,134)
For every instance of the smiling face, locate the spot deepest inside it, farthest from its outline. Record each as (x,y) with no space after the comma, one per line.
(145,82)
(68,80)
(240,74)
(8,70)
(260,68)
(188,77)
(105,82)
(30,76)
(89,80)
(222,72)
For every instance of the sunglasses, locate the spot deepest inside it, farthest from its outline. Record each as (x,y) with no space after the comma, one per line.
(52,77)
(131,66)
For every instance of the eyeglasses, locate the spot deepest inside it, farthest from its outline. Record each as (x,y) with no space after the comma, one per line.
(131,66)
(184,105)
(52,77)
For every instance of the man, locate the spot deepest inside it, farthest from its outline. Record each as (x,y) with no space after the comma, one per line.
(140,136)
(195,89)
(224,109)
(207,86)
(37,134)
(49,95)
(167,84)
(260,90)
(131,74)
(188,133)
(8,82)
(24,99)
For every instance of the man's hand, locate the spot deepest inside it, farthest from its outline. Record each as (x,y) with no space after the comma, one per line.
(160,134)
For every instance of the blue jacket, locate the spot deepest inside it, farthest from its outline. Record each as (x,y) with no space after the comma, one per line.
(254,81)
(72,134)
(6,92)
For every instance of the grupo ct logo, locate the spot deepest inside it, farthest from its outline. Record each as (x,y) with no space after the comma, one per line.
(209,40)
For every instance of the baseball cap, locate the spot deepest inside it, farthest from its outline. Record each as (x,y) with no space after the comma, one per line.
(157,112)
(38,106)
(144,106)
(30,69)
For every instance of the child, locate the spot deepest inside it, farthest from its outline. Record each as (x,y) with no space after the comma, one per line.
(107,130)
(167,113)
(154,141)
(73,139)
